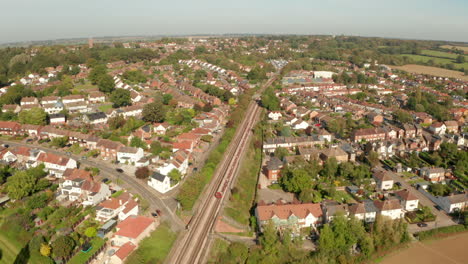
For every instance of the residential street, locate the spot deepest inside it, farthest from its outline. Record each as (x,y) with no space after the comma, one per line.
(155,199)
(442,218)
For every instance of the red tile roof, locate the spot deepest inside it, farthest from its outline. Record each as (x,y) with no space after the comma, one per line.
(133,226)
(283,211)
(125,250)
(52,158)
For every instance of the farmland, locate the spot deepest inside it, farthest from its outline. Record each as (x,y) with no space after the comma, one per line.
(431,71)
(465,49)
(448,250)
(437,61)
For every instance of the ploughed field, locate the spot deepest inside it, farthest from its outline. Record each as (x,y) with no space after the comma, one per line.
(453,250)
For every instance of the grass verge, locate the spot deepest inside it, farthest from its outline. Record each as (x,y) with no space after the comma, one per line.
(154,248)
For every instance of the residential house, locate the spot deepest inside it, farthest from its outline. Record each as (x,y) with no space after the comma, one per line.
(122,253)
(334,152)
(365,211)
(454,202)
(383,179)
(275,115)
(438,128)
(433,174)
(390,208)
(78,185)
(31,130)
(133,230)
(29,101)
(49,100)
(14,108)
(160,128)
(108,148)
(273,168)
(70,99)
(55,164)
(289,216)
(451,126)
(160,182)
(408,200)
(368,134)
(129,155)
(332,209)
(96,97)
(53,108)
(57,119)
(9,127)
(120,207)
(98,118)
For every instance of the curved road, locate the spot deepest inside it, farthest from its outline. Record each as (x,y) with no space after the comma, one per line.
(131,183)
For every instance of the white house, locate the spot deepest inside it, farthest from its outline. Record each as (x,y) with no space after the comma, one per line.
(78,185)
(121,207)
(438,128)
(56,165)
(390,208)
(160,183)
(365,211)
(285,215)
(300,125)
(453,203)
(408,200)
(129,155)
(275,115)
(383,180)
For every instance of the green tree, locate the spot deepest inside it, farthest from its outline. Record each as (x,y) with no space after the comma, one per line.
(90,232)
(65,87)
(116,122)
(106,83)
(20,185)
(373,158)
(59,142)
(402,116)
(138,143)
(280,153)
(120,97)
(295,180)
(33,116)
(269,239)
(96,73)
(154,112)
(63,246)
(460,59)
(175,175)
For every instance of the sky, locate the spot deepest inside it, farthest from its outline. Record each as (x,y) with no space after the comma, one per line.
(25,20)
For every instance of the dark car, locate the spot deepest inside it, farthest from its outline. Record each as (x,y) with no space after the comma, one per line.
(119,170)
(422,224)
(29,140)
(398,184)
(5,145)
(154,214)
(105,180)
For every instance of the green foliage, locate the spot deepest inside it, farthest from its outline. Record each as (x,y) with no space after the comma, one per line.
(62,246)
(175,176)
(434,233)
(142,173)
(90,232)
(120,97)
(154,112)
(257,74)
(59,142)
(96,73)
(138,143)
(116,122)
(280,153)
(37,201)
(20,185)
(106,83)
(134,76)
(270,101)
(33,116)
(402,116)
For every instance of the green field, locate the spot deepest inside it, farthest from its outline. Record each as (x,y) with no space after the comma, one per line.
(8,250)
(82,257)
(154,248)
(437,61)
(440,54)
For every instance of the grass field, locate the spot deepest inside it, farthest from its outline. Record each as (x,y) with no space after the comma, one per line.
(436,60)
(413,68)
(441,54)
(465,49)
(82,257)
(105,107)
(154,248)
(8,250)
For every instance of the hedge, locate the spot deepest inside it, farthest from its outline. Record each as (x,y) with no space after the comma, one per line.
(425,235)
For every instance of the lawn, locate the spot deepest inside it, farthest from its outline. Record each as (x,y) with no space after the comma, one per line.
(154,248)
(105,107)
(440,54)
(436,60)
(83,87)
(343,196)
(82,257)
(8,249)
(219,246)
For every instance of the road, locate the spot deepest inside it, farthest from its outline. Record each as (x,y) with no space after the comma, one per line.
(442,218)
(193,244)
(131,183)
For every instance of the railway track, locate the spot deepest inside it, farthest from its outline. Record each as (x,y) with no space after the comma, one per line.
(193,245)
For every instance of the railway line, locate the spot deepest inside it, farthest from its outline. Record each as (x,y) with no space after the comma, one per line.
(193,244)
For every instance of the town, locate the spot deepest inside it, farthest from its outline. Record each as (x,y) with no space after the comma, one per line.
(121,152)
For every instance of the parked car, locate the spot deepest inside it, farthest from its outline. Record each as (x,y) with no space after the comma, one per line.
(105,180)
(154,214)
(398,184)
(5,145)
(119,170)
(422,224)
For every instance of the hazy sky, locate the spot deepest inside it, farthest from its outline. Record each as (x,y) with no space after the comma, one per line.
(23,20)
